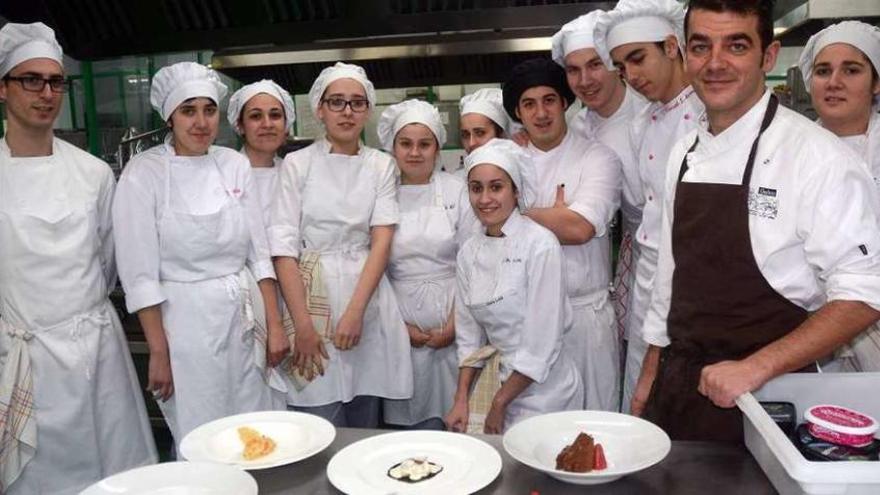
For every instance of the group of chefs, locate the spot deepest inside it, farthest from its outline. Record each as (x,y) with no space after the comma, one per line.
(369,287)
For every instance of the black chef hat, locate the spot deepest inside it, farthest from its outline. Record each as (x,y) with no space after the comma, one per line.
(531,73)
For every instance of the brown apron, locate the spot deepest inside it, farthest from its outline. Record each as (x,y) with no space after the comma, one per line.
(722,307)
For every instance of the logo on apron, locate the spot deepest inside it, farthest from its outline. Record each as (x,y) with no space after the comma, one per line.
(763,203)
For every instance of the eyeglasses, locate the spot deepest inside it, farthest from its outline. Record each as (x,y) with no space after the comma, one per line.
(37,84)
(339,104)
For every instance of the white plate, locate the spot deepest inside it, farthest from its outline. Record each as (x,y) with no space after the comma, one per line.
(630,443)
(297,436)
(362,468)
(177,478)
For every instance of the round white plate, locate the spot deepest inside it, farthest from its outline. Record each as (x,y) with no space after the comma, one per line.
(297,436)
(630,443)
(362,468)
(177,478)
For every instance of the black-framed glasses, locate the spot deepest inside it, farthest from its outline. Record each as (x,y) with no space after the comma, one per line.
(338,104)
(37,84)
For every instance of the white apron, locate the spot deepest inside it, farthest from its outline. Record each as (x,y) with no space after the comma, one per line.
(57,320)
(425,293)
(212,353)
(335,194)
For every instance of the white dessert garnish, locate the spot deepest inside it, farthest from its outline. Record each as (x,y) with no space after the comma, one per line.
(414,468)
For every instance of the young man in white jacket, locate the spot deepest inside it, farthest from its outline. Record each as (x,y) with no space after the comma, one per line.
(579,183)
(67,384)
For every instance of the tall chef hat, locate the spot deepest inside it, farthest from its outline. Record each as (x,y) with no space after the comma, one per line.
(864,37)
(531,73)
(176,83)
(576,35)
(22,42)
(397,116)
(513,159)
(488,102)
(239,99)
(340,71)
(638,21)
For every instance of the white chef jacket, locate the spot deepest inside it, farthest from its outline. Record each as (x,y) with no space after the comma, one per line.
(265,179)
(327,202)
(524,272)
(655,131)
(56,270)
(868,145)
(614,132)
(592,177)
(137,236)
(813,211)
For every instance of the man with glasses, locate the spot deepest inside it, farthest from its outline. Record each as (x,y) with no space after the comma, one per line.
(67,384)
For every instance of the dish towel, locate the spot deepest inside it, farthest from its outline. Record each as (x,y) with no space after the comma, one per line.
(488,384)
(18,421)
(318,306)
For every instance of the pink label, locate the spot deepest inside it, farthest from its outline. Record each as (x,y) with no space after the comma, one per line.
(841,416)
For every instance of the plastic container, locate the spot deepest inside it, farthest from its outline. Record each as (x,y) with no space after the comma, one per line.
(841,425)
(784,465)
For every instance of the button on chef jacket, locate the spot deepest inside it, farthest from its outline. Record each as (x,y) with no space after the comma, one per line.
(813,211)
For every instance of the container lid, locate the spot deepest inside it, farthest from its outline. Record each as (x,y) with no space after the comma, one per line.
(841,419)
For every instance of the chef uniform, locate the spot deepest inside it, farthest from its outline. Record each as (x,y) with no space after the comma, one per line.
(653,133)
(71,410)
(326,203)
(512,295)
(591,175)
(613,132)
(435,220)
(863,354)
(265,180)
(186,227)
(797,233)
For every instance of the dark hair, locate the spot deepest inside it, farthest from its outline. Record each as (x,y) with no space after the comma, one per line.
(762,9)
(499,132)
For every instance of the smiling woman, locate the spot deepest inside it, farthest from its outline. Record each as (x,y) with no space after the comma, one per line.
(332,220)
(511,295)
(189,236)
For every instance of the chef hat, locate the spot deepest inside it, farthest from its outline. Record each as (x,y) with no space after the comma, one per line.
(397,116)
(513,159)
(340,71)
(174,84)
(864,37)
(638,21)
(488,102)
(21,42)
(239,99)
(531,73)
(575,35)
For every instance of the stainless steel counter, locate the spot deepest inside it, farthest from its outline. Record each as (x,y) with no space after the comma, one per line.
(690,468)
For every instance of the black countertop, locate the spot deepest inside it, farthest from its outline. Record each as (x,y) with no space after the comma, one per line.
(690,468)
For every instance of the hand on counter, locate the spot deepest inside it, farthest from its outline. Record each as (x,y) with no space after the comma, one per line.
(457,418)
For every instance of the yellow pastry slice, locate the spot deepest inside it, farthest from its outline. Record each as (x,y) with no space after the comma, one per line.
(256,445)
